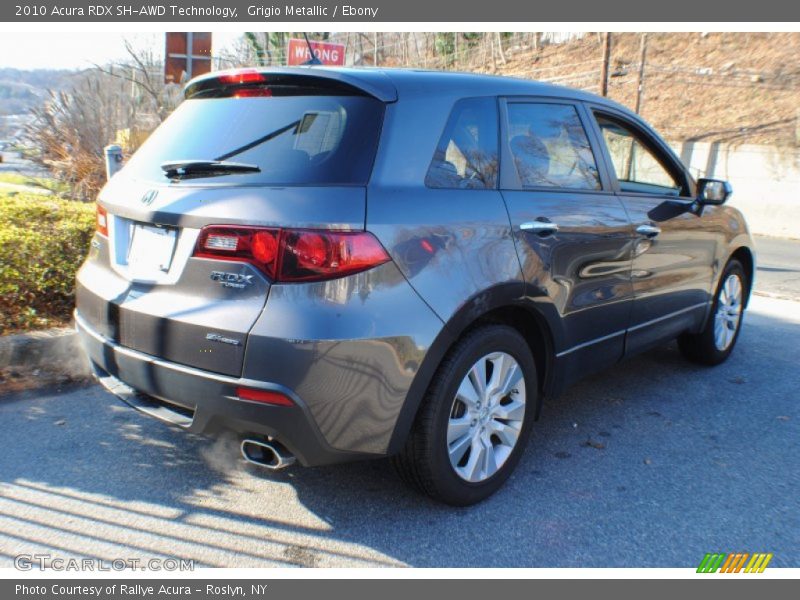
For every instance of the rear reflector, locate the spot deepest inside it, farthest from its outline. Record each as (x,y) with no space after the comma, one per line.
(101,226)
(293,254)
(265,396)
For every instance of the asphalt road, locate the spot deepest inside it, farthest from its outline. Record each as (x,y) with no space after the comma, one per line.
(653,463)
(14,163)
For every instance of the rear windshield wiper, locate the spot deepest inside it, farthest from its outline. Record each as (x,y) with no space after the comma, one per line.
(262,140)
(186,169)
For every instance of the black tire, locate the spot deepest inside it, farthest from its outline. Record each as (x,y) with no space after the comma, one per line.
(701,347)
(424,463)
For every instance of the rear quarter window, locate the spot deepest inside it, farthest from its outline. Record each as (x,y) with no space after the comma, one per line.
(466,156)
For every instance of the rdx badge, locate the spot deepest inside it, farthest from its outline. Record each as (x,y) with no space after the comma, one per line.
(233,280)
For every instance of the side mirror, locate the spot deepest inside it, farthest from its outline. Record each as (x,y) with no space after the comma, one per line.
(713,191)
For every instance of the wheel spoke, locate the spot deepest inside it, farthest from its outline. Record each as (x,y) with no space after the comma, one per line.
(728,289)
(735,301)
(513,377)
(736,289)
(502,364)
(459,448)
(467,394)
(513,411)
(472,470)
(458,428)
(477,377)
(507,434)
(489,462)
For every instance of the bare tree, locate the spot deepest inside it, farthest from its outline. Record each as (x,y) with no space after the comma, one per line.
(146,73)
(121,102)
(70,130)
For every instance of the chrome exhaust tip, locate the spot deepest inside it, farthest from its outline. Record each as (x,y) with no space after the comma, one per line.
(269,455)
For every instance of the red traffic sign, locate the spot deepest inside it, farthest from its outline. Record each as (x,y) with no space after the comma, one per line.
(328,53)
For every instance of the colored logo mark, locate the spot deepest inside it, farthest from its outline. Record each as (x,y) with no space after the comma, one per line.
(735,562)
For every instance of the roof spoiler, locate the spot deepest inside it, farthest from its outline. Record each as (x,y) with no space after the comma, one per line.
(372,83)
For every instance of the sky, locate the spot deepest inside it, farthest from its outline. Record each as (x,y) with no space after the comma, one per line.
(75,50)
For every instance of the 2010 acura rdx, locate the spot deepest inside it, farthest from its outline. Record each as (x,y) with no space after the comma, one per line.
(339,264)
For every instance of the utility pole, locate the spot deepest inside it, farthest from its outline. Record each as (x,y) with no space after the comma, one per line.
(606,59)
(640,86)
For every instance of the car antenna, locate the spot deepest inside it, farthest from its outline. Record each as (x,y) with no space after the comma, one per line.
(313,60)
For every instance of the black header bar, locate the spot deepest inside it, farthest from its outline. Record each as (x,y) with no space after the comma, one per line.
(394,11)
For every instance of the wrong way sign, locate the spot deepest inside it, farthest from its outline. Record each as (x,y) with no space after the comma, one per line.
(327,53)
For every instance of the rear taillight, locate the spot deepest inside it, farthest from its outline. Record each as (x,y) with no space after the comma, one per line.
(101,224)
(293,254)
(308,254)
(257,246)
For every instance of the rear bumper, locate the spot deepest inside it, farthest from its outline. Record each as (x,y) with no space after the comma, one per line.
(204,402)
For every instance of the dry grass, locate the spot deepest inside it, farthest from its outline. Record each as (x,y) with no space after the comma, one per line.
(742,87)
(734,87)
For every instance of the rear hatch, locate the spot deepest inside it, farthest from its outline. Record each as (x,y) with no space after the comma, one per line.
(245,149)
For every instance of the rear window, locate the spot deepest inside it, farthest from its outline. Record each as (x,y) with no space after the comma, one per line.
(293,140)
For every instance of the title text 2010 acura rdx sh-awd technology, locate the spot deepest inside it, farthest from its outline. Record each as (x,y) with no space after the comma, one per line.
(338,264)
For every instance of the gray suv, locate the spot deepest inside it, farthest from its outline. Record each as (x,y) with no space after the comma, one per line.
(340,264)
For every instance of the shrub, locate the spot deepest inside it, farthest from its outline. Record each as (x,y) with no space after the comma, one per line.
(43,241)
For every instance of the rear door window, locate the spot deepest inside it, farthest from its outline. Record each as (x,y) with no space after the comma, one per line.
(292,139)
(466,156)
(549,147)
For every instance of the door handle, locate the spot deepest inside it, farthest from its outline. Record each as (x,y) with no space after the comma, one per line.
(539,227)
(650,231)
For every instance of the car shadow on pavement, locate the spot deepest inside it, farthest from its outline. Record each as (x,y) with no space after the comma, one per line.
(623,470)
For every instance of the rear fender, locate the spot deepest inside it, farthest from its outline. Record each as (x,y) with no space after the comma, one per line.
(478,309)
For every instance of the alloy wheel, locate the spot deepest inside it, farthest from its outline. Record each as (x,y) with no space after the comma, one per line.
(729,312)
(486,417)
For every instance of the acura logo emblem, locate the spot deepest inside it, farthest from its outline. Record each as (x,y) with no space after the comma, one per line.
(149,197)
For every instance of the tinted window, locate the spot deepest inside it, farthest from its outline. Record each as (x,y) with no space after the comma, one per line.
(466,156)
(637,168)
(550,147)
(309,139)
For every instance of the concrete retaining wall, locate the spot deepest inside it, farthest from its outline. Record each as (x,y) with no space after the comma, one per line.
(765,180)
